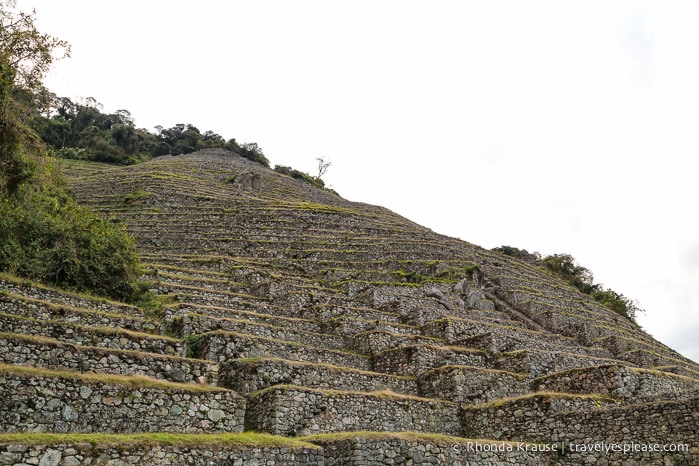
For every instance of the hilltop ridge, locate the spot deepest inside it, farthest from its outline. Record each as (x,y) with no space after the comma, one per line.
(364,334)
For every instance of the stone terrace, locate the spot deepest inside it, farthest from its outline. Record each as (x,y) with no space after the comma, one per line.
(300,314)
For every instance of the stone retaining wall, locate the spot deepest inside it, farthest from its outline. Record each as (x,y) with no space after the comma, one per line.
(646,427)
(245,376)
(41,310)
(51,354)
(185,320)
(524,418)
(361,451)
(470,385)
(414,360)
(44,403)
(157,455)
(538,363)
(227,346)
(628,383)
(348,326)
(295,411)
(98,337)
(68,299)
(376,341)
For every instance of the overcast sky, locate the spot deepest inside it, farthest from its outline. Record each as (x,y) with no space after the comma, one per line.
(558,127)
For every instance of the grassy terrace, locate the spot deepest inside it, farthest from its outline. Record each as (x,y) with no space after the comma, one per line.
(246,439)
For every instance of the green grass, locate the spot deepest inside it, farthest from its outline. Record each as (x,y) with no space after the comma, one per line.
(384,395)
(247,439)
(330,367)
(437,439)
(545,396)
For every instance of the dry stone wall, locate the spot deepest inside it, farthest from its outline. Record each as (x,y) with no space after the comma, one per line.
(415,360)
(41,310)
(98,337)
(471,385)
(227,346)
(45,403)
(51,354)
(381,451)
(72,454)
(66,299)
(662,432)
(294,411)
(634,385)
(245,376)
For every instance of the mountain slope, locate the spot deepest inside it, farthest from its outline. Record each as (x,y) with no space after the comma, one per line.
(324,317)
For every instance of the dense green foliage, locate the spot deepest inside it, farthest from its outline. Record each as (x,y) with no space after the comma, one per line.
(44,234)
(565,266)
(82,131)
(521,254)
(299,175)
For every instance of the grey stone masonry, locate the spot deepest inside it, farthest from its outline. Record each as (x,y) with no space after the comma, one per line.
(663,432)
(35,309)
(249,375)
(152,454)
(227,346)
(526,417)
(35,351)
(286,333)
(348,326)
(376,341)
(187,319)
(48,401)
(414,360)
(471,385)
(91,336)
(538,363)
(295,411)
(423,449)
(632,384)
(68,299)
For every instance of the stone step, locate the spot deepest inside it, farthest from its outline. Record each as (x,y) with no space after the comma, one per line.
(157,449)
(417,359)
(295,411)
(26,350)
(249,375)
(526,417)
(374,342)
(622,382)
(100,337)
(224,346)
(200,319)
(471,385)
(40,400)
(38,309)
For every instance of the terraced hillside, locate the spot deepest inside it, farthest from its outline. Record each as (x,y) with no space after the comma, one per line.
(306,329)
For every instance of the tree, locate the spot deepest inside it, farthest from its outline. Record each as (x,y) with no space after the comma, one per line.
(26,50)
(44,233)
(565,266)
(323,165)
